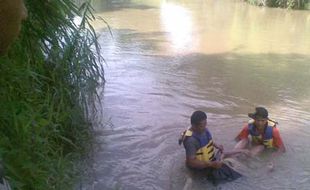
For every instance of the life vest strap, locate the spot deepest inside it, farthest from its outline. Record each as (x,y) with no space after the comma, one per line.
(211,150)
(210,144)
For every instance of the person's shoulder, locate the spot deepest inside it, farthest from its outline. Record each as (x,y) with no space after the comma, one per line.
(188,141)
(246,126)
(276,133)
(208,132)
(275,130)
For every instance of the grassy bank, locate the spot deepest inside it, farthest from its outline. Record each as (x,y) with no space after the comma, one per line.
(290,4)
(48,81)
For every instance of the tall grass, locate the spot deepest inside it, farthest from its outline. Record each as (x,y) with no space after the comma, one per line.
(48,81)
(290,4)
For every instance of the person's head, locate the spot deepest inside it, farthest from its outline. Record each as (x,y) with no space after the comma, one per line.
(199,121)
(260,117)
(12,12)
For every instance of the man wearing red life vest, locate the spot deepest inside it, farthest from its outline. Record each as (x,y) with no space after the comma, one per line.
(264,135)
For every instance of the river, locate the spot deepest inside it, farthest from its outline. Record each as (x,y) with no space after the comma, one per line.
(166,59)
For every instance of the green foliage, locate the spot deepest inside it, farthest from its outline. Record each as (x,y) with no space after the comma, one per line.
(290,4)
(48,81)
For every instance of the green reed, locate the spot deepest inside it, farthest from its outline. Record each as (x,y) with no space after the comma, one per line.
(48,82)
(290,4)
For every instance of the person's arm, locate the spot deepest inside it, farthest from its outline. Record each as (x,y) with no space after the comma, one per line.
(236,152)
(244,133)
(242,138)
(218,146)
(277,143)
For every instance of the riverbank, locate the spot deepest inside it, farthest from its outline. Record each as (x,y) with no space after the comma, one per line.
(48,83)
(289,4)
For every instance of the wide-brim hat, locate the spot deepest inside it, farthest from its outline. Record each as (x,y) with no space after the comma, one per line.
(260,113)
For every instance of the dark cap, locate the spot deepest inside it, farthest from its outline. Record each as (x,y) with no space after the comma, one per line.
(260,113)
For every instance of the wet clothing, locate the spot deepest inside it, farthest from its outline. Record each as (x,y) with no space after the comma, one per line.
(270,138)
(201,146)
(223,174)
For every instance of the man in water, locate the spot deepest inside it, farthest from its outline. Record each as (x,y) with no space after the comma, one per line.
(264,135)
(200,151)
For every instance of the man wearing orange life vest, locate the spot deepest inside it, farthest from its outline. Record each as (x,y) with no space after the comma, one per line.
(264,135)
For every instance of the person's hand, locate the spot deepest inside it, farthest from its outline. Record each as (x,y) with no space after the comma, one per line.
(246,152)
(216,164)
(220,147)
(222,156)
(270,166)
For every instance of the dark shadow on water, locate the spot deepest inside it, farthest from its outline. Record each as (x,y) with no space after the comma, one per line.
(128,40)
(116,5)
